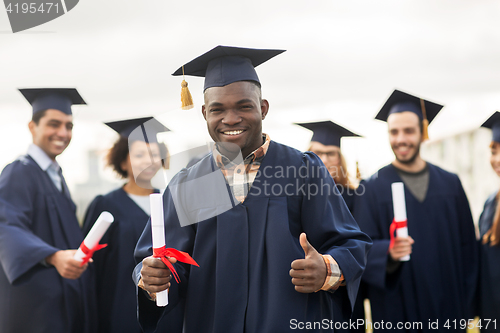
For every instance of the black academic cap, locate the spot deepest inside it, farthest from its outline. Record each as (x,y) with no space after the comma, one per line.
(223,65)
(327,132)
(400,101)
(52,98)
(493,123)
(139,129)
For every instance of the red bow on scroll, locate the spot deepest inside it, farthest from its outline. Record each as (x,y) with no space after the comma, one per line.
(90,252)
(165,253)
(395,225)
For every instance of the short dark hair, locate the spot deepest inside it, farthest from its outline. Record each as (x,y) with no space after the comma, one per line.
(38,115)
(119,154)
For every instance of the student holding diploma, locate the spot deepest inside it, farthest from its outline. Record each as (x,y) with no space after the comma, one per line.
(136,159)
(42,287)
(438,281)
(268,260)
(489,228)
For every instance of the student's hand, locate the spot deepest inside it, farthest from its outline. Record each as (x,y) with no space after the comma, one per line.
(66,265)
(155,274)
(308,274)
(402,247)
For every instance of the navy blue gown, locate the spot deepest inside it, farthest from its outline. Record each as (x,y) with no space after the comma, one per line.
(36,220)
(438,283)
(245,253)
(489,276)
(116,291)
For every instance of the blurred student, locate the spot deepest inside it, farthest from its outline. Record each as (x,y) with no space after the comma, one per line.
(42,288)
(136,158)
(439,281)
(489,228)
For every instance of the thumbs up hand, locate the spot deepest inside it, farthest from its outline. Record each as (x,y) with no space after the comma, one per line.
(308,274)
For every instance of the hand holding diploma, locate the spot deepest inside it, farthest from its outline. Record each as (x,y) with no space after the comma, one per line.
(91,243)
(65,263)
(401,246)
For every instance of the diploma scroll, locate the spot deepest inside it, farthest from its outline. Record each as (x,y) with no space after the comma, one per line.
(91,243)
(399,204)
(158,232)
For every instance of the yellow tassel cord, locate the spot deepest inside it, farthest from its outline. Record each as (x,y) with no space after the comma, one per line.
(425,122)
(358,173)
(186,99)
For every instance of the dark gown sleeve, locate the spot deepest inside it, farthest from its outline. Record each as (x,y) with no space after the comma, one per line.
(469,245)
(20,248)
(331,228)
(367,215)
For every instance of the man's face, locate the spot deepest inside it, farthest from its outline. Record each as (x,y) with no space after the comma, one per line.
(234,115)
(53,132)
(405,136)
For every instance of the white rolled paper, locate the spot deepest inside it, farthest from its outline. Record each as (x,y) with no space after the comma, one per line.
(95,234)
(158,232)
(399,205)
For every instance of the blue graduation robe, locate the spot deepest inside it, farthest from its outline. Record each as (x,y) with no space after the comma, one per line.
(245,253)
(37,220)
(438,283)
(489,286)
(116,291)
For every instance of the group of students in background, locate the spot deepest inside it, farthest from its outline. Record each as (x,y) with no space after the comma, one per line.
(450,276)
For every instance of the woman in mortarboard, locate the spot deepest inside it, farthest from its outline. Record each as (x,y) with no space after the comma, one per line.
(325,143)
(136,157)
(489,228)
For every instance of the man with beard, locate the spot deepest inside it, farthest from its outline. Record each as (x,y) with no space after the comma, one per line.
(438,282)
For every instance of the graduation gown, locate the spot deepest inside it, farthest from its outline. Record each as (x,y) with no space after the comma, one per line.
(489,276)
(438,283)
(36,220)
(245,253)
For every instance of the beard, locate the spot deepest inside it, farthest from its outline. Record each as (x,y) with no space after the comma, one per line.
(411,159)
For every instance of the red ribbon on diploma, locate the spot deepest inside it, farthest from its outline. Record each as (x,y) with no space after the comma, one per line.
(90,252)
(396,225)
(165,253)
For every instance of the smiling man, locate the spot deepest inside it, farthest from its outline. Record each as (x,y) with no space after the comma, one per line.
(42,288)
(438,282)
(274,256)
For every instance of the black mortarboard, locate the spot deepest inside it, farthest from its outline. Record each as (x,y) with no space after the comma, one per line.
(327,132)
(493,123)
(227,64)
(139,129)
(400,101)
(52,98)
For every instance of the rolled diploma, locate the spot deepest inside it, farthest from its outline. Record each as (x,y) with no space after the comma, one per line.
(158,232)
(399,204)
(95,234)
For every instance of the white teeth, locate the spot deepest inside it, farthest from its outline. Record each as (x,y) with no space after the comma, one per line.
(233,132)
(58,143)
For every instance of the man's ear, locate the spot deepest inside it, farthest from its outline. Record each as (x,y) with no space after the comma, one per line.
(204,112)
(264,107)
(32,126)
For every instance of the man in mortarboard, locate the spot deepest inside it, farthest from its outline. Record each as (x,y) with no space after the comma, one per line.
(437,283)
(271,253)
(42,288)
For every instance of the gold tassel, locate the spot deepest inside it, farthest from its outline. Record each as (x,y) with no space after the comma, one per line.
(425,122)
(186,99)
(358,173)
